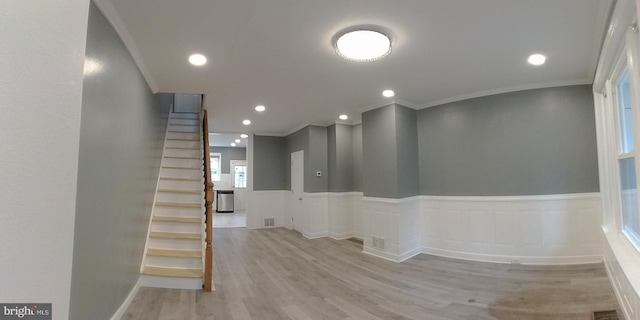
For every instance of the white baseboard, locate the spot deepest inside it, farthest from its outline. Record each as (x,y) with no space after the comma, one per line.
(513,259)
(127,302)
(390,256)
(315,235)
(341,236)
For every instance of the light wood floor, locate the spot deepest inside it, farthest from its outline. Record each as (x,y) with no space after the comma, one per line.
(278,274)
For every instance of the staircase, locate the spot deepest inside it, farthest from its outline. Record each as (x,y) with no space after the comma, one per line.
(174,253)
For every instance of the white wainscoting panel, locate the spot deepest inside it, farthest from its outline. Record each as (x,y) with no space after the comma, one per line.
(267,204)
(622,261)
(342,214)
(395,221)
(547,229)
(315,212)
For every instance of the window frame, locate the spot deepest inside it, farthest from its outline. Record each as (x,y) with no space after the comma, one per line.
(218,176)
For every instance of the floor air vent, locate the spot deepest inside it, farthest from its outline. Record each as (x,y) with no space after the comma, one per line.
(606,315)
(269,222)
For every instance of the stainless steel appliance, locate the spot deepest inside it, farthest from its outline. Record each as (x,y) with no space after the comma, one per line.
(224,201)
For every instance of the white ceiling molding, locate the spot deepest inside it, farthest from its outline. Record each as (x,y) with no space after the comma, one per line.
(112,16)
(621,19)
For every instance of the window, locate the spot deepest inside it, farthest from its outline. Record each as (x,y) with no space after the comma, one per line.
(216,160)
(628,184)
(240,176)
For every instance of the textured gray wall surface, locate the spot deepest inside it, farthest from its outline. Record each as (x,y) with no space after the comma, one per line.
(121,138)
(407,151)
(270,160)
(379,151)
(229,153)
(340,154)
(296,141)
(530,142)
(356,141)
(317,161)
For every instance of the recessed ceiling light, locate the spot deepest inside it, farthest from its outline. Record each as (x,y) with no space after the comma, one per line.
(244,136)
(197,59)
(343,117)
(260,108)
(362,45)
(246,122)
(237,140)
(233,144)
(388,93)
(537,59)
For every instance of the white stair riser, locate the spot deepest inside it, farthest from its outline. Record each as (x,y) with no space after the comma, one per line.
(179,197)
(180,173)
(161,243)
(183,128)
(182,144)
(182,163)
(169,282)
(177,212)
(184,115)
(181,185)
(196,154)
(191,122)
(157,226)
(172,262)
(184,135)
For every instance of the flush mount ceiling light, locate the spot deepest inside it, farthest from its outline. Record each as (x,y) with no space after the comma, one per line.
(237,140)
(197,59)
(244,136)
(537,59)
(362,44)
(388,93)
(260,108)
(343,117)
(246,122)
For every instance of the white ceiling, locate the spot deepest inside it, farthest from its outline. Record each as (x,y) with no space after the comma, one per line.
(278,53)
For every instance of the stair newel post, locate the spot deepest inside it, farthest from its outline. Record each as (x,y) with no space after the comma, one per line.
(208,263)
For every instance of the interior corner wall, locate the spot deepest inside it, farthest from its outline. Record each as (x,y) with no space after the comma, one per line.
(356,140)
(43,45)
(269,163)
(340,154)
(313,141)
(228,154)
(533,142)
(122,134)
(407,148)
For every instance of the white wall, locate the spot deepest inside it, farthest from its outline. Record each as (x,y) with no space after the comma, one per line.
(41,93)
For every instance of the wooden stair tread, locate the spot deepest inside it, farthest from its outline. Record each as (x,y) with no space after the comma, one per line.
(181,139)
(175,253)
(194,191)
(184,157)
(176,235)
(183,148)
(173,272)
(181,179)
(185,168)
(177,219)
(178,204)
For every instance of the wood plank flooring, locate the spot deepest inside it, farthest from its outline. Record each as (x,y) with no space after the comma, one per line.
(278,274)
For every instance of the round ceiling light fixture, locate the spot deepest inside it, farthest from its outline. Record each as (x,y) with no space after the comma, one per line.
(260,108)
(246,122)
(388,93)
(244,136)
(197,59)
(343,117)
(537,59)
(362,44)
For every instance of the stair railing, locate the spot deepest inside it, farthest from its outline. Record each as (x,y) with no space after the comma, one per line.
(208,188)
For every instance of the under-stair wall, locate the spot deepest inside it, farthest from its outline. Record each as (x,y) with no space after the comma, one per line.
(174,251)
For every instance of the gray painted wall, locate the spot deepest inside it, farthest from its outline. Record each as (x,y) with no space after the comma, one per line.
(340,154)
(270,163)
(521,143)
(379,151)
(356,140)
(121,139)
(229,153)
(407,151)
(313,141)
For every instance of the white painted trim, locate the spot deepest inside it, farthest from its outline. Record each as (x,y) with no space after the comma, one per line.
(341,236)
(127,302)
(628,260)
(398,258)
(390,200)
(112,16)
(546,197)
(506,90)
(568,260)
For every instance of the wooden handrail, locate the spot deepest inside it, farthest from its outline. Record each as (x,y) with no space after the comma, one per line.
(208,188)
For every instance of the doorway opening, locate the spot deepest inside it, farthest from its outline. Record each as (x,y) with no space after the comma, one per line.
(230,181)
